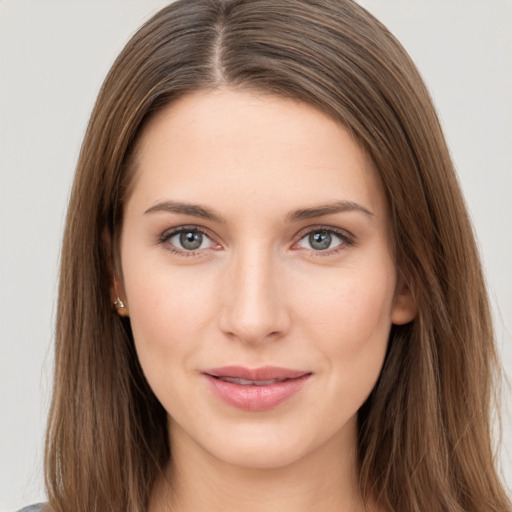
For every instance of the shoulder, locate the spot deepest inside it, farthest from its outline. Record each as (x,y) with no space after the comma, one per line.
(38,507)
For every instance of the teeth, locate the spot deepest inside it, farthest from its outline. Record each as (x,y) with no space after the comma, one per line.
(244,382)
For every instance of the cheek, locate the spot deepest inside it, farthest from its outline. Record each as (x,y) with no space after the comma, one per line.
(170,311)
(352,333)
(357,303)
(349,320)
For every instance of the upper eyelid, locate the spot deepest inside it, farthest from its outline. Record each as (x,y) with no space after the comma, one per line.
(337,231)
(168,233)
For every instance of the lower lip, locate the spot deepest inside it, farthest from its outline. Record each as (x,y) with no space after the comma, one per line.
(256,398)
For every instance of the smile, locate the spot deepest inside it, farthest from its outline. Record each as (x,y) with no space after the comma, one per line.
(255,389)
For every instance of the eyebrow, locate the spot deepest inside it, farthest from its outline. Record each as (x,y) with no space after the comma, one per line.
(196,210)
(327,209)
(193,210)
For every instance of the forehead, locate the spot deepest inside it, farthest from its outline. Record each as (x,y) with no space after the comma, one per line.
(227,146)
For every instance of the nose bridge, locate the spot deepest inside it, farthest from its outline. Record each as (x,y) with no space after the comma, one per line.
(253,309)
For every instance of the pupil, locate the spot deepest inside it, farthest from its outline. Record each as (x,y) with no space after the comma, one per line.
(320,240)
(191,240)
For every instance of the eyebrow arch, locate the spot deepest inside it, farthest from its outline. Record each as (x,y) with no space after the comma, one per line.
(327,209)
(193,210)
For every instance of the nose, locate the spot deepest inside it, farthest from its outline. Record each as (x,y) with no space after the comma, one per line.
(253,308)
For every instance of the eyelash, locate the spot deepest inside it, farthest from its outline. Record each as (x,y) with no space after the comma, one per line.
(167,235)
(347,240)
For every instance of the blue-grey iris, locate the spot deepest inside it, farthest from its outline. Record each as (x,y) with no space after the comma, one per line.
(320,240)
(191,240)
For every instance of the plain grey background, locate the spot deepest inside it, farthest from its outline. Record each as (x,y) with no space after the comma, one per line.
(53,58)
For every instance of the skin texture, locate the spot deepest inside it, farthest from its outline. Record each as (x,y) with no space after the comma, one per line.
(257,293)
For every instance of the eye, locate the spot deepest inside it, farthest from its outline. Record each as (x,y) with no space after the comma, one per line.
(188,240)
(324,240)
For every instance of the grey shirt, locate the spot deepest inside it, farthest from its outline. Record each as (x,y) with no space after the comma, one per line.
(38,507)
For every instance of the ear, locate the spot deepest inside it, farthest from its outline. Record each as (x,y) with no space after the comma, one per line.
(404,305)
(117,293)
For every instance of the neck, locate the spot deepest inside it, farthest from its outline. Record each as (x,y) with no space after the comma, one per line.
(325,480)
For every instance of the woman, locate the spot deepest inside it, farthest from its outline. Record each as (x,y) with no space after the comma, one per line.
(300,321)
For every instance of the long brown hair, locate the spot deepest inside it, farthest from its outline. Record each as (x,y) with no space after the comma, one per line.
(424,433)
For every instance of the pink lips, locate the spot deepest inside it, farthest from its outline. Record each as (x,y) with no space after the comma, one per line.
(255,389)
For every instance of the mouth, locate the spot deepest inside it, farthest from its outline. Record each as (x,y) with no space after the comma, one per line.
(245,382)
(255,389)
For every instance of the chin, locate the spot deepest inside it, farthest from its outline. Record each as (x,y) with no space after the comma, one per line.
(272,444)
(261,455)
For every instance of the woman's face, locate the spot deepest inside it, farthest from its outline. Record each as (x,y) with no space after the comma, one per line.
(258,276)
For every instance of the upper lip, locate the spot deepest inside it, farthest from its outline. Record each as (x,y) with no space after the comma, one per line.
(264,373)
